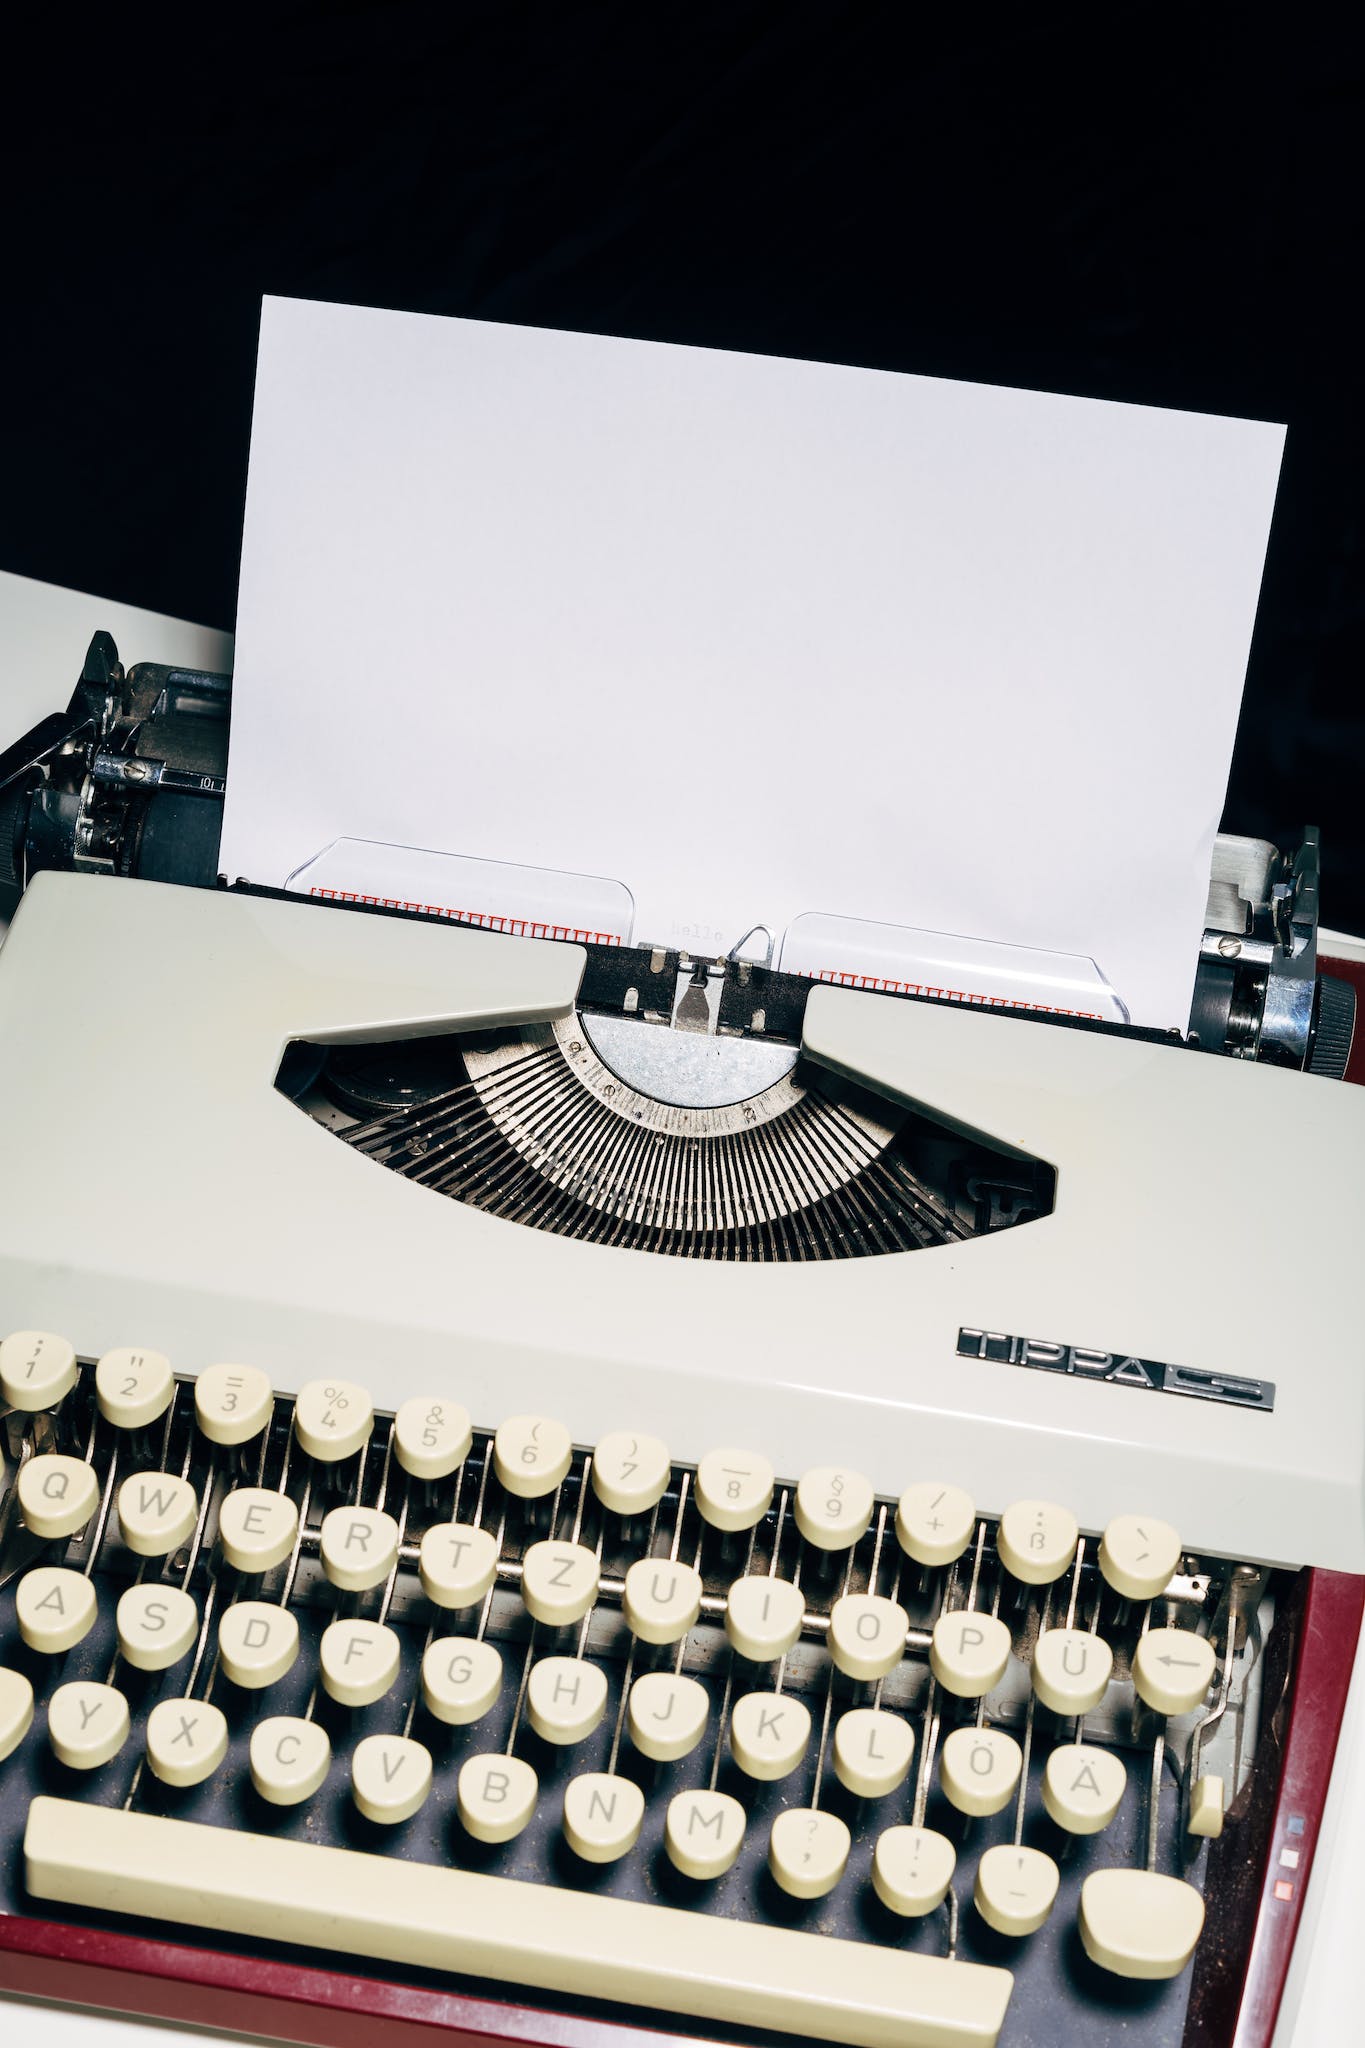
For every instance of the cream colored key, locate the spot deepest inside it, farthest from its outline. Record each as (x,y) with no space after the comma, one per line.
(186,1740)
(289,1759)
(763,1617)
(662,1599)
(532,1455)
(55,1608)
(333,1418)
(1037,1541)
(734,1489)
(1140,1923)
(1173,1669)
(1206,1807)
(133,1387)
(1138,1555)
(969,1652)
(667,1715)
(602,1816)
(258,1642)
(631,1471)
(87,1723)
(872,1751)
(359,1547)
(768,1733)
(935,1523)
(431,1437)
(1071,1670)
(358,1660)
(232,1403)
(1015,1888)
(461,1678)
(16,1710)
(496,1796)
(57,1494)
(1083,1787)
(833,1506)
(37,1370)
(559,1582)
(980,1769)
(912,1869)
(867,1635)
(156,1625)
(257,1528)
(390,1777)
(157,1512)
(566,1698)
(457,1563)
(808,1851)
(703,1832)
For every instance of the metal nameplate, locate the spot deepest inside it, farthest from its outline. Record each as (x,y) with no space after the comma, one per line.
(1118,1367)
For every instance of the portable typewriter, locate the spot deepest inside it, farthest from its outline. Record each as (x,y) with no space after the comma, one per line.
(577,1494)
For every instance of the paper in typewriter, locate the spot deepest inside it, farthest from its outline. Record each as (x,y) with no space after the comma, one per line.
(752,637)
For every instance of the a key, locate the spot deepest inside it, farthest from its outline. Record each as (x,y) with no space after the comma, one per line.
(390,1777)
(969,1652)
(703,1832)
(55,1608)
(16,1709)
(602,1816)
(1173,1670)
(37,1370)
(935,1523)
(496,1796)
(156,1625)
(1083,1787)
(431,1438)
(258,1643)
(232,1403)
(1140,1923)
(1036,1541)
(359,1547)
(1015,1888)
(980,1769)
(87,1723)
(662,1599)
(333,1418)
(157,1512)
(808,1851)
(1138,1556)
(186,1740)
(768,1733)
(873,1751)
(461,1678)
(1206,1806)
(559,1582)
(257,1528)
(763,1617)
(457,1564)
(734,1489)
(1071,1670)
(566,1698)
(630,1472)
(667,1715)
(359,1661)
(133,1387)
(289,1759)
(912,1869)
(833,1507)
(867,1635)
(532,1455)
(57,1494)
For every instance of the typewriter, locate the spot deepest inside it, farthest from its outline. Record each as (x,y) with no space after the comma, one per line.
(580,1494)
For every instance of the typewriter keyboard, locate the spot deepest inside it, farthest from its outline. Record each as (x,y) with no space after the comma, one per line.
(763,1752)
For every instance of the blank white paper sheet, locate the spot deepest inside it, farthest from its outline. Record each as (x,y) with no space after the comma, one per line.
(749,637)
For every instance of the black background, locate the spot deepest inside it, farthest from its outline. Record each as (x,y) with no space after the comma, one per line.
(1164,208)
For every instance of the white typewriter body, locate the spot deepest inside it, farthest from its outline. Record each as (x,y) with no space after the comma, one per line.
(157,1188)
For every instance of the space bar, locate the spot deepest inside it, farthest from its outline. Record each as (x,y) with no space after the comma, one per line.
(347,1902)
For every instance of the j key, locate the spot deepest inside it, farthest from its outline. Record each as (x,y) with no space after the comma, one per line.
(667,1715)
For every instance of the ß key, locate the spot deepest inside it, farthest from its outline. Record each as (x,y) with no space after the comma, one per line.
(1037,1541)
